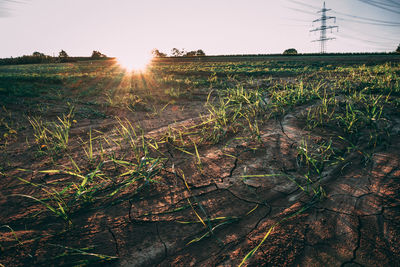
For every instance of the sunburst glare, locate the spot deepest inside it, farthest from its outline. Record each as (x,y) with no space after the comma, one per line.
(134,62)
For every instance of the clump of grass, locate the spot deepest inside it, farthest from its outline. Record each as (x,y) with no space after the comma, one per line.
(316,158)
(123,99)
(82,256)
(54,200)
(8,126)
(358,117)
(285,96)
(236,110)
(52,135)
(174,92)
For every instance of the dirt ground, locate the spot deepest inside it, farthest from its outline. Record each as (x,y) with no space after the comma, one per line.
(357,222)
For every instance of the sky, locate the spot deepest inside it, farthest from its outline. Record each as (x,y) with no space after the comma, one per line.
(120,27)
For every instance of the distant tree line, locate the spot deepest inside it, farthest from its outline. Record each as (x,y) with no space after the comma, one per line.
(38,58)
(293,51)
(309,54)
(175,52)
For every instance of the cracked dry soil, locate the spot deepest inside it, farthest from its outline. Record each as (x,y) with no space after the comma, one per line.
(355,224)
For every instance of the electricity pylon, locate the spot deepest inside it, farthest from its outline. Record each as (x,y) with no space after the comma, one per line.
(323,38)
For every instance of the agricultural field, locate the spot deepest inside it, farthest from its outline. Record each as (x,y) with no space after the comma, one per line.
(212,161)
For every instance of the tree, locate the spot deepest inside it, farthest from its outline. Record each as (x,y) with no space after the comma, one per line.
(398,49)
(157,53)
(175,52)
(200,53)
(290,51)
(190,54)
(195,53)
(63,54)
(38,54)
(97,55)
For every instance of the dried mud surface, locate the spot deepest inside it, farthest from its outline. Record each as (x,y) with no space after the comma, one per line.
(355,224)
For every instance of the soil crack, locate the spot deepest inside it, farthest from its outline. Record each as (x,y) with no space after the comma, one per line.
(358,245)
(234,166)
(115,241)
(165,246)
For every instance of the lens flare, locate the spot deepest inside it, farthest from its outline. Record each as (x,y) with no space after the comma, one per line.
(134,62)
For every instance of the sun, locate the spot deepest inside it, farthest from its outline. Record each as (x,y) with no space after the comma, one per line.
(134,62)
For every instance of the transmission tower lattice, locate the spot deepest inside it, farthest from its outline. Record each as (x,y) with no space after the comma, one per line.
(323,38)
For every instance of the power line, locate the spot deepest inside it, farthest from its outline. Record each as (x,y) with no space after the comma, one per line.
(381,5)
(301,10)
(394,3)
(352,36)
(369,20)
(362,19)
(360,44)
(323,19)
(6,11)
(384,4)
(369,23)
(356,31)
(388,29)
(304,4)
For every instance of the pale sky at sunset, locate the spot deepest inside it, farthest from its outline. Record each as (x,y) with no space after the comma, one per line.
(117,27)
